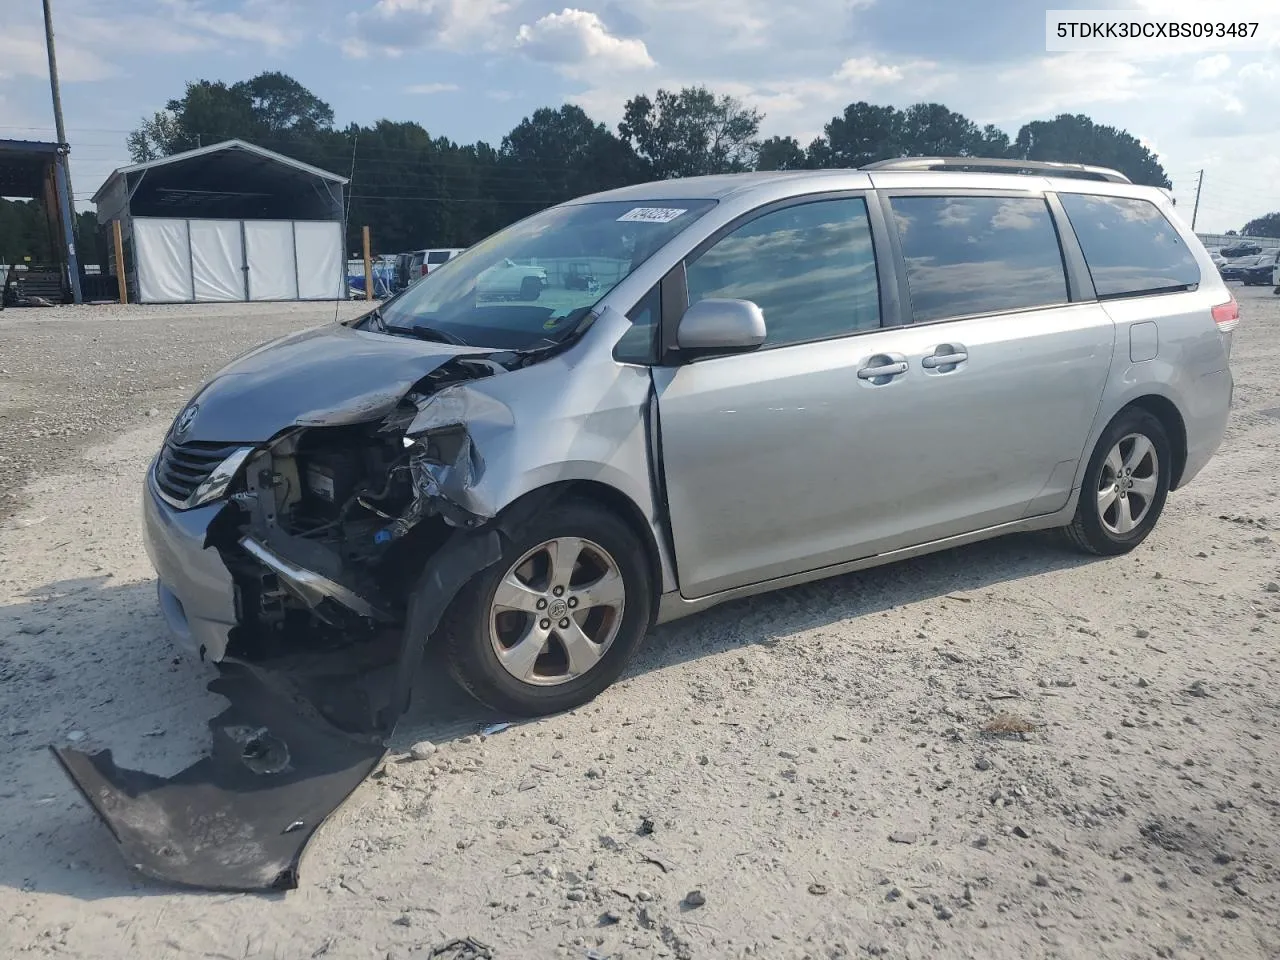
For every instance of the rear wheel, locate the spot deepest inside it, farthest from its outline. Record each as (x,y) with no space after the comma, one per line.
(1125,486)
(554,622)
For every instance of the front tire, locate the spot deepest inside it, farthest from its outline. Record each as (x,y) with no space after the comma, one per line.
(555,621)
(1125,486)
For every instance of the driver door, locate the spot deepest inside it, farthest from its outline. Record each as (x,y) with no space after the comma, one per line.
(759,449)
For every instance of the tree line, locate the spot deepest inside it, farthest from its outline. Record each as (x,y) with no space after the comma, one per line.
(415,189)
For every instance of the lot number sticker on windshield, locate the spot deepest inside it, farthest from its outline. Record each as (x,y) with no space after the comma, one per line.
(650,215)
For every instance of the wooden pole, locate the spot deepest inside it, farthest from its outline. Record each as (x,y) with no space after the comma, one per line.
(368,266)
(121,281)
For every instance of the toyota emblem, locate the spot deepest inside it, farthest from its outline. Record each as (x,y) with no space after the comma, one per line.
(183,423)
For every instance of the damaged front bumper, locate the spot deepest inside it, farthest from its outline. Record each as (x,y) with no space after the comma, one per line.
(303,726)
(195,589)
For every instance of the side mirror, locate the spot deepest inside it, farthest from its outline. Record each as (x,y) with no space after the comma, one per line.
(715,327)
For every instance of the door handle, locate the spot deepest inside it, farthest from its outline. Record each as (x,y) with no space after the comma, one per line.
(883,367)
(946,357)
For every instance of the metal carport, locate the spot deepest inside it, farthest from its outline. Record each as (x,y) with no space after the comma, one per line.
(32,169)
(230,221)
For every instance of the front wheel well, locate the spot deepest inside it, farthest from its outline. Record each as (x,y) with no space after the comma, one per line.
(617,503)
(1164,410)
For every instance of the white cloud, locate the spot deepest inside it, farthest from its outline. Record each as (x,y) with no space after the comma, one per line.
(869,71)
(89,43)
(1211,67)
(1062,82)
(575,40)
(261,22)
(395,26)
(427,89)
(22,54)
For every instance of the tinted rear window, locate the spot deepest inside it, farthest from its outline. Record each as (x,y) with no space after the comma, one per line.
(439,256)
(1129,246)
(974,255)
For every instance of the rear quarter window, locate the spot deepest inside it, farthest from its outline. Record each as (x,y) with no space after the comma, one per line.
(1129,245)
(968,255)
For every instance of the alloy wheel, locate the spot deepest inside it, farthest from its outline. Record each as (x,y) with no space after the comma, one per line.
(556,611)
(1128,484)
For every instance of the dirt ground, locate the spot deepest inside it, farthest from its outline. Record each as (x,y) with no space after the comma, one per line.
(812,763)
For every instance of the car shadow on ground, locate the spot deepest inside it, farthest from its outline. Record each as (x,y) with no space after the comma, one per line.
(151,707)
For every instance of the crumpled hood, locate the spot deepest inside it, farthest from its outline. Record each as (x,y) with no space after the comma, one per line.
(325,376)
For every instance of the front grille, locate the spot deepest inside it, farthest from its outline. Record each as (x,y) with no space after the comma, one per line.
(182,467)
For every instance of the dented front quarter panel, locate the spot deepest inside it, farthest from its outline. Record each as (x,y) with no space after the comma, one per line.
(578,416)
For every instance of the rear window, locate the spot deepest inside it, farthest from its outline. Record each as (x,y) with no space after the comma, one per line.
(1129,245)
(439,256)
(975,255)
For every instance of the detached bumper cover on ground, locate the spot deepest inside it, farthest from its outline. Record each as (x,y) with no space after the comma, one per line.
(298,737)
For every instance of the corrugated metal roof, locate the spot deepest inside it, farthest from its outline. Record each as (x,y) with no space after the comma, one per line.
(218,148)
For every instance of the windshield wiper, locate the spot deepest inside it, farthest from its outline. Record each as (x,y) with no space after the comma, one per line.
(424,331)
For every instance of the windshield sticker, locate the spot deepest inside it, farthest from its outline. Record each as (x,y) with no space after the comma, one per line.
(651,215)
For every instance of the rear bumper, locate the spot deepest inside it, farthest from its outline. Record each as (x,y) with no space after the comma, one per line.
(1206,413)
(196,593)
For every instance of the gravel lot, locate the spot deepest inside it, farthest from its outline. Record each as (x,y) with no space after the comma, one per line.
(811,763)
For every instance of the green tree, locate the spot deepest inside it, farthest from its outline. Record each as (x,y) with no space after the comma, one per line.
(25,231)
(781,153)
(931,130)
(1074,138)
(691,133)
(559,154)
(866,132)
(1268,226)
(863,134)
(270,106)
(280,104)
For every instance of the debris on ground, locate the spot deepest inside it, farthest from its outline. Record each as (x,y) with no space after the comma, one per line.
(464,949)
(1004,724)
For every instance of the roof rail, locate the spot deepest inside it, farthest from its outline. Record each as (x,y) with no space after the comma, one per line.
(976,164)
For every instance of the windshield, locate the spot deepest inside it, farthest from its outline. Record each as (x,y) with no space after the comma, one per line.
(534,281)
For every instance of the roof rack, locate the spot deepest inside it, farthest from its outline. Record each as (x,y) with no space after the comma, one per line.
(975,164)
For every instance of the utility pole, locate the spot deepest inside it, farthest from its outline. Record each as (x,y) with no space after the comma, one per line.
(68,211)
(1200,182)
(53,79)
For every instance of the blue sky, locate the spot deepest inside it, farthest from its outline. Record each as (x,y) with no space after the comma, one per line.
(471,69)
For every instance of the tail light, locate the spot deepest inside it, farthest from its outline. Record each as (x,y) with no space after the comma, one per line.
(424,270)
(1227,315)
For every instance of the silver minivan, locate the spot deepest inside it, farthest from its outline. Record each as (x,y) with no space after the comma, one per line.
(771,378)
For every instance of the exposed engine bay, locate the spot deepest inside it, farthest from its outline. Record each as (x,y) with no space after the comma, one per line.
(333,524)
(345,542)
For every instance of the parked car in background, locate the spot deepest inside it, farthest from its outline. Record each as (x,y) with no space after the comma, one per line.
(785,377)
(509,280)
(1247,269)
(1218,259)
(416,264)
(1244,248)
(1259,274)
